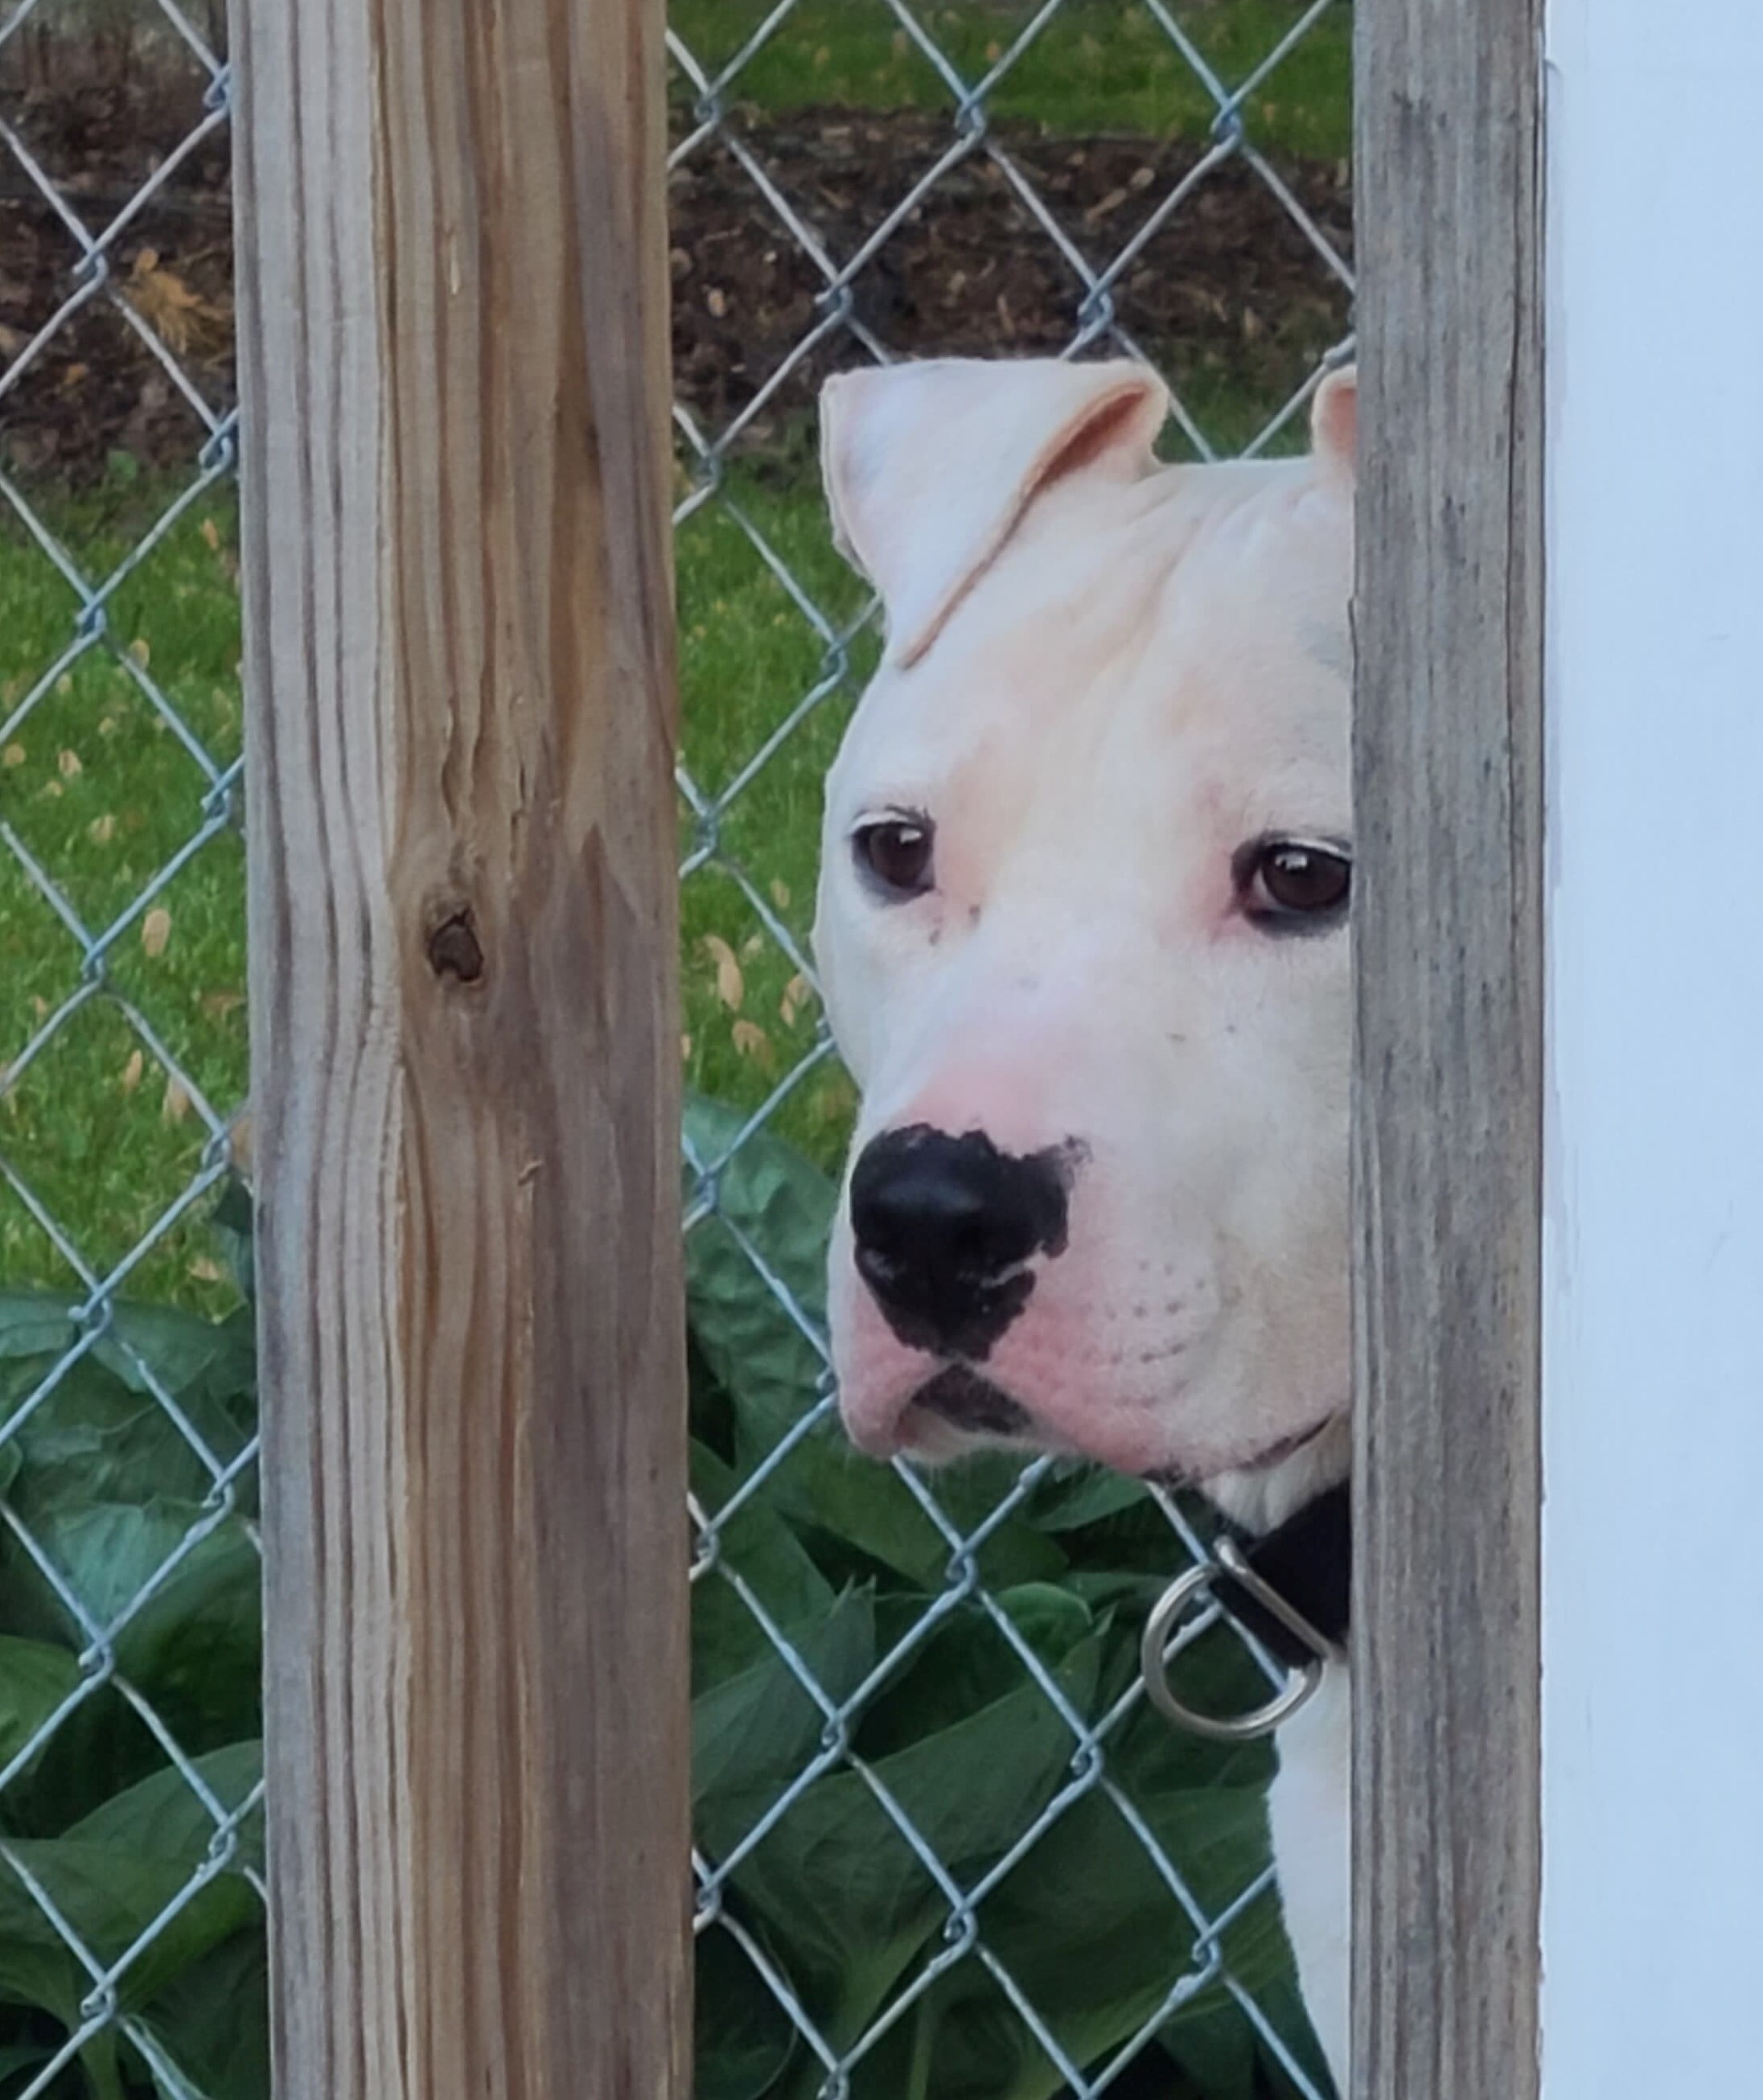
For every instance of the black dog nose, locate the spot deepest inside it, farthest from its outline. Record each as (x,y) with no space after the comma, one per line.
(944,1227)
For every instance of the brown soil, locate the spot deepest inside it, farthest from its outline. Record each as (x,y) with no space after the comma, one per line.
(1228,294)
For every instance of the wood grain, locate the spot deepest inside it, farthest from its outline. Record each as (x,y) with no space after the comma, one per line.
(452,316)
(1449,1090)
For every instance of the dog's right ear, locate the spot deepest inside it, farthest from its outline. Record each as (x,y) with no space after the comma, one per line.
(930,467)
(1334,421)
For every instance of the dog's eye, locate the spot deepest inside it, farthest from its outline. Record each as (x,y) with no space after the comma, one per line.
(1293,884)
(896,855)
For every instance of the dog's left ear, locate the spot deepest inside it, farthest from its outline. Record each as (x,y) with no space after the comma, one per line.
(1334,421)
(930,467)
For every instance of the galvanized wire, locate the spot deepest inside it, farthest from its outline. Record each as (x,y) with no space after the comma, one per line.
(91,276)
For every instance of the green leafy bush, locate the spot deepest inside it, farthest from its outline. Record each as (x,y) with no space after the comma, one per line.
(841,1560)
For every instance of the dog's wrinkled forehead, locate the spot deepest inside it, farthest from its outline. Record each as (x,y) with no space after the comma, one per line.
(1047,583)
(930,467)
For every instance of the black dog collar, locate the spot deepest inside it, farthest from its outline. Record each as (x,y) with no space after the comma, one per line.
(1308,1560)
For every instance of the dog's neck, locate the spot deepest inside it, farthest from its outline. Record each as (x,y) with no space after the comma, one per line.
(1300,1513)
(1260,1499)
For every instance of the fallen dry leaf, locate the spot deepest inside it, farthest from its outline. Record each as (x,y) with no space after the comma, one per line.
(752,1041)
(731,986)
(132,1071)
(68,766)
(176,1105)
(156,930)
(796,995)
(161,297)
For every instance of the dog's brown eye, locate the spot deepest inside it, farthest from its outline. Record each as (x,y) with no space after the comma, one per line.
(896,855)
(1293,884)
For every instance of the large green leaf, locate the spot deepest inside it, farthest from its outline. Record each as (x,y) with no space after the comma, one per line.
(196,1649)
(109,1553)
(35,1677)
(122,1870)
(93,1441)
(1073,1495)
(754,1732)
(111,1490)
(966,1663)
(1087,1929)
(208,1367)
(1220,2053)
(233,1225)
(1091,1929)
(840,1891)
(782,1205)
(744,2038)
(18,2060)
(33,1324)
(758,1547)
(210,2025)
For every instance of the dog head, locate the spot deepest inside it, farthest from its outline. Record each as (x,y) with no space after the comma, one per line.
(1083,931)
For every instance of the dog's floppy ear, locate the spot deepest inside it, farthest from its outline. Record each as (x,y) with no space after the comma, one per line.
(1334,421)
(929,467)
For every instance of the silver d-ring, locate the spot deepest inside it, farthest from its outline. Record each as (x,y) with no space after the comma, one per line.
(1300,1687)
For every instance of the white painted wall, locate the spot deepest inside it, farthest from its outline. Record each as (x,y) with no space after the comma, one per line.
(1653,1374)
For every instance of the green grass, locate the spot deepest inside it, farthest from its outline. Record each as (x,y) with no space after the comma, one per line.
(747,656)
(1099,66)
(100,793)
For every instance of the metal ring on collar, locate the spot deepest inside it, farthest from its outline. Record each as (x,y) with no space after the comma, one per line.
(1300,1687)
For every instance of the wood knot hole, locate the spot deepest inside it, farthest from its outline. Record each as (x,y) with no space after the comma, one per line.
(454,948)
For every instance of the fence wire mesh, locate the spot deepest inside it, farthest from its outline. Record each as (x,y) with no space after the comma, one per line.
(944,1847)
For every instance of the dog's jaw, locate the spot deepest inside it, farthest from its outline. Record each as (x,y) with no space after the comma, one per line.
(1259,1491)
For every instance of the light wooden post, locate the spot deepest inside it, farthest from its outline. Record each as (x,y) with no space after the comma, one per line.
(1448,1101)
(454,374)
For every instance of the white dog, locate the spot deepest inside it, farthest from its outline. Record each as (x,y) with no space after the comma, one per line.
(1082,932)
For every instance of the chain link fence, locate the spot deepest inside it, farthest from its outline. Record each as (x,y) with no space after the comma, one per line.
(944,1847)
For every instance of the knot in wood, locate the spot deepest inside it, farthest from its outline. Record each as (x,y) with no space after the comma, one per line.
(454,948)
